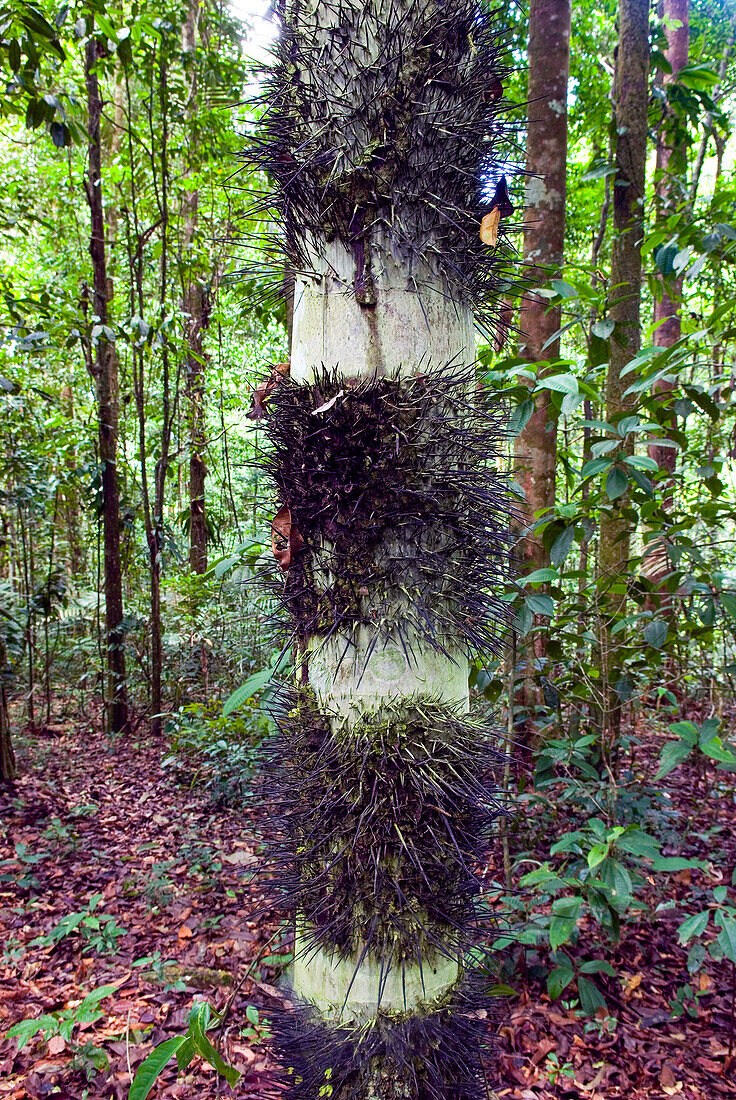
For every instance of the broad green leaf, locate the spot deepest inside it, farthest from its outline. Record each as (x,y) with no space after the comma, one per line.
(203,1046)
(597,854)
(241,695)
(616,484)
(603,329)
(655,633)
(155,1063)
(560,383)
(185,1053)
(618,882)
(639,843)
(728,602)
(598,966)
(562,545)
(27,1029)
(541,605)
(674,863)
(727,938)
(559,979)
(671,756)
(595,466)
(716,751)
(686,731)
(540,576)
(591,998)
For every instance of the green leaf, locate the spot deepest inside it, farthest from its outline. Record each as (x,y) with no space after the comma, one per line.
(253,684)
(716,751)
(185,1053)
(560,383)
(604,328)
(251,1014)
(598,966)
(597,854)
(596,173)
(541,605)
(559,979)
(595,466)
(686,731)
(565,290)
(561,546)
(728,600)
(563,920)
(638,843)
(727,938)
(674,863)
(618,881)
(591,999)
(655,633)
(155,1063)
(197,1033)
(540,576)
(27,1029)
(671,756)
(616,484)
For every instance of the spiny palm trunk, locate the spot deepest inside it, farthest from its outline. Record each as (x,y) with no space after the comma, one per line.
(379,125)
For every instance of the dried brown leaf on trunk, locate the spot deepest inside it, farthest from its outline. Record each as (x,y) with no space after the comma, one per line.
(258,407)
(286,541)
(501,207)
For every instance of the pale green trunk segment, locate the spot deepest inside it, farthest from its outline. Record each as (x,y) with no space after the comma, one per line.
(413,325)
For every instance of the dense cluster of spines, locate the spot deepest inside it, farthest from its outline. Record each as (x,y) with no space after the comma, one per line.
(384,825)
(380,127)
(437,1054)
(395,492)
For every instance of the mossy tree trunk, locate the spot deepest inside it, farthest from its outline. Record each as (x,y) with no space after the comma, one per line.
(390,535)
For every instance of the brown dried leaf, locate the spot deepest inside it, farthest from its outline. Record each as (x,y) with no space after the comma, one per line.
(286,539)
(328,404)
(489,227)
(258,407)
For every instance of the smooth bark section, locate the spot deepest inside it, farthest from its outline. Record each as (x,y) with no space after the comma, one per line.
(631,101)
(544,233)
(408,327)
(351,990)
(103,365)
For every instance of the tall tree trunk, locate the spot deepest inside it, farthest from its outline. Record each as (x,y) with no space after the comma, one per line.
(104,366)
(544,235)
(71,507)
(196,306)
(669,191)
(614,540)
(386,536)
(7,756)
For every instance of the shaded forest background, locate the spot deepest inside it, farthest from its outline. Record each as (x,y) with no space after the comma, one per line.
(136,332)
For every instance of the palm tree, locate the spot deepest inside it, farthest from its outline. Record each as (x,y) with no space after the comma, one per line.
(378,136)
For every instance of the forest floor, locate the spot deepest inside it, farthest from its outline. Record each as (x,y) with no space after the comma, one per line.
(164,893)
